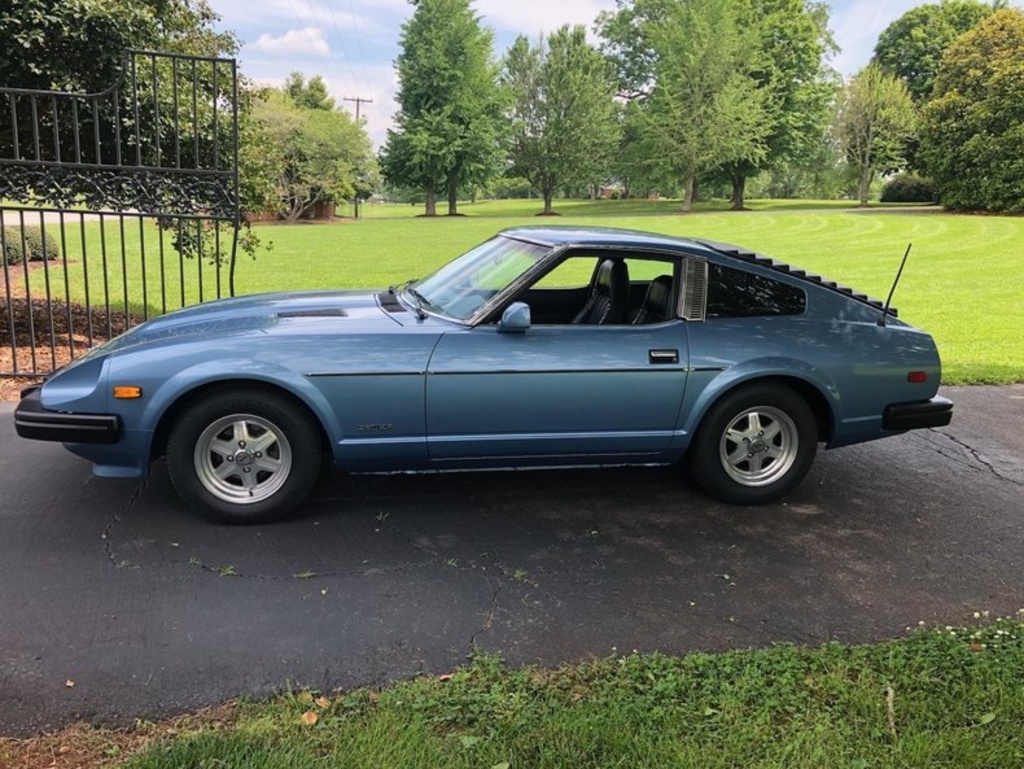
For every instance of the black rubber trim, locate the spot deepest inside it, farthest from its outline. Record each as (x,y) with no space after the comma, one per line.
(32,421)
(913,416)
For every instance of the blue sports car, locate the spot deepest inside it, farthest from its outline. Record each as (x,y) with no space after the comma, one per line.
(544,346)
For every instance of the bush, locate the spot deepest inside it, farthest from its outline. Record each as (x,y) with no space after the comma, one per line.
(17,243)
(908,188)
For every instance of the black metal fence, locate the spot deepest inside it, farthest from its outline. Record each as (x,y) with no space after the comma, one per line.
(114,206)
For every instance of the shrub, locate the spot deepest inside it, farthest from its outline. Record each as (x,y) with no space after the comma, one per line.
(17,243)
(908,188)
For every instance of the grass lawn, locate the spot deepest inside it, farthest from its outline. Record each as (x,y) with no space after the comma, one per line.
(962,282)
(938,698)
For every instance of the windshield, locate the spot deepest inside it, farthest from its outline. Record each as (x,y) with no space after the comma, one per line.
(462,286)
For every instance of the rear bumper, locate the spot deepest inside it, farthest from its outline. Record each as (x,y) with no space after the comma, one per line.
(31,420)
(936,412)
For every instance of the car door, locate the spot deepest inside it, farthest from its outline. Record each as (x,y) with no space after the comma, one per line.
(556,393)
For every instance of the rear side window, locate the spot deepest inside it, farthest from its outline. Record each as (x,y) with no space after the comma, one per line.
(736,293)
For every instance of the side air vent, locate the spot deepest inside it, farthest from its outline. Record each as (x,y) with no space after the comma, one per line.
(326,312)
(695,289)
(389,302)
(810,277)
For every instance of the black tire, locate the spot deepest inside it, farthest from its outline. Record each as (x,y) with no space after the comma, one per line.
(244,457)
(754,445)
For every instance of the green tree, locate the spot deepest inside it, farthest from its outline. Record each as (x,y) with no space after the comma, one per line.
(705,109)
(79,45)
(911,47)
(798,88)
(972,138)
(448,126)
(322,155)
(875,117)
(563,112)
(308,94)
(780,45)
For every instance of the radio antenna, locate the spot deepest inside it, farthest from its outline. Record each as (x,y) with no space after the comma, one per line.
(899,274)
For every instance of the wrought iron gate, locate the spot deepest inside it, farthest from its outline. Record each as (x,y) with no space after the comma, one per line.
(114,206)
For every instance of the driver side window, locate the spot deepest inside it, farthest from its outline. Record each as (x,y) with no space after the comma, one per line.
(604,289)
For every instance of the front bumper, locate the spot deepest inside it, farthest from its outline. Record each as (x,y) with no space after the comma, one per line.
(31,420)
(936,412)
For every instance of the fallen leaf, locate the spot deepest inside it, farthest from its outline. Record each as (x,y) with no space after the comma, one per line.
(309,718)
(976,647)
(322,702)
(69,683)
(305,697)
(445,677)
(502,765)
(64,749)
(987,719)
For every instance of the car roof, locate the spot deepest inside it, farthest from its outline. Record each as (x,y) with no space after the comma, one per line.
(563,235)
(612,237)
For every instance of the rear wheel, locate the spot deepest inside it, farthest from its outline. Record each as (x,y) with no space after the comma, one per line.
(754,445)
(244,457)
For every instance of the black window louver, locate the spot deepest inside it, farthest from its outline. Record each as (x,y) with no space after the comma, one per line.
(810,277)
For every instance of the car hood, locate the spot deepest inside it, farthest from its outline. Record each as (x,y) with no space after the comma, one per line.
(269,313)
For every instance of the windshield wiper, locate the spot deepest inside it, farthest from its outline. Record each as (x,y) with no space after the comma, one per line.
(421,301)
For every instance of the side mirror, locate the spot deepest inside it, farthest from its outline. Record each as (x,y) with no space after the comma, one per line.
(515,319)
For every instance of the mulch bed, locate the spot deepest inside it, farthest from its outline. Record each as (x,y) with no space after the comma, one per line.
(56,343)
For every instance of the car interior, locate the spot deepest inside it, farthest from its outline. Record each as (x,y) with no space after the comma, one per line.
(620,291)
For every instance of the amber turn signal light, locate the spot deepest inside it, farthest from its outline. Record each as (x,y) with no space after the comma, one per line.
(127,392)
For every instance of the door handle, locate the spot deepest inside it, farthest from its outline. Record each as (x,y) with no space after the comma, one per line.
(663,356)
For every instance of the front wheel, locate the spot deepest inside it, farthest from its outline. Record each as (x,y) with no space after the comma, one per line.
(754,445)
(244,457)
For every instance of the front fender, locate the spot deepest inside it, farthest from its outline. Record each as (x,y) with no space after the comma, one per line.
(161,394)
(706,386)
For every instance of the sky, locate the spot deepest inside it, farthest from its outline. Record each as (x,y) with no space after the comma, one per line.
(353,44)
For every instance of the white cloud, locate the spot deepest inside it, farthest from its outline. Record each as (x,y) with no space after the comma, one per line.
(295,42)
(532,17)
(856,28)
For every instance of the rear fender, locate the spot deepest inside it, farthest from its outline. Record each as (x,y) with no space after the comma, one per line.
(706,387)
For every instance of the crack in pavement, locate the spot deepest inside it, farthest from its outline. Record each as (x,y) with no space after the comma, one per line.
(978,456)
(115,518)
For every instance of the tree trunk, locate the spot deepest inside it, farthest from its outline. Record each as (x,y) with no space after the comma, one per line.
(453,197)
(548,195)
(739,186)
(431,204)
(688,194)
(864,183)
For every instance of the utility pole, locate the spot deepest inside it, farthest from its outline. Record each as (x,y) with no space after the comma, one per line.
(359,101)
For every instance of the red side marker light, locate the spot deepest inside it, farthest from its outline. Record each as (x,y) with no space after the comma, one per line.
(917,377)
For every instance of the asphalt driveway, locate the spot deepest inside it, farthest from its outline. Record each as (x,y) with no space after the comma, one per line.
(115,588)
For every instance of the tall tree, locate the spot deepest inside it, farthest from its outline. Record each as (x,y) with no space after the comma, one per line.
(705,109)
(875,117)
(911,47)
(448,124)
(781,45)
(798,87)
(563,113)
(972,139)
